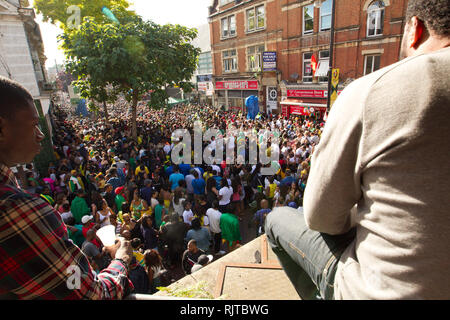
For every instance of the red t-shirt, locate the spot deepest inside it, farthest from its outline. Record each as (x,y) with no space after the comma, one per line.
(85,230)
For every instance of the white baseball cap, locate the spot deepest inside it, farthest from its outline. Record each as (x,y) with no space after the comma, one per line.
(86,219)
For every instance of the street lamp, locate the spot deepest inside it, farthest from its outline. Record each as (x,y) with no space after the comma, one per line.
(318,4)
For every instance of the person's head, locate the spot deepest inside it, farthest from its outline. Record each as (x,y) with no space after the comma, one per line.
(192,246)
(66,207)
(203,260)
(152,258)
(19,121)
(136,194)
(126,218)
(427,27)
(215,205)
(195,223)
(187,205)
(86,220)
(147,222)
(136,243)
(90,234)
(264,204)
(126,234)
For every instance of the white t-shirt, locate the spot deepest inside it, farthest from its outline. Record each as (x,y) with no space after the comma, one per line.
(187,216)
(214,220)
(226,193)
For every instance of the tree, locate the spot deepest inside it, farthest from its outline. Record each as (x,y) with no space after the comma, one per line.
(135,56)
(99,92)
(59,12)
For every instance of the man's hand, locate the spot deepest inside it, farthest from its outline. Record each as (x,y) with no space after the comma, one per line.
(121,250)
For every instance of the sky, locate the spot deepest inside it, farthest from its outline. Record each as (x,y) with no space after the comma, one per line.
(189,13)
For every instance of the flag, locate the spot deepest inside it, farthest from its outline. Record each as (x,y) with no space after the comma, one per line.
(313,64)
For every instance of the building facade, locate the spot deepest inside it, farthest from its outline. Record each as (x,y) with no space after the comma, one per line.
(204,89)
(22,59)
(269,48)
(22,51)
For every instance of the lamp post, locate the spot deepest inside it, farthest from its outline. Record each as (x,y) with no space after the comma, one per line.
(318,4)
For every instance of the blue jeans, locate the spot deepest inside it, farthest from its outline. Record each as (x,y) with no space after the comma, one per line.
(308,257)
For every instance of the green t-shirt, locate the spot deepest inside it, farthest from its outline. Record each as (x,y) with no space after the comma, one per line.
(158,215)
(229,224)
(79,208)
(119,201)
(77,237)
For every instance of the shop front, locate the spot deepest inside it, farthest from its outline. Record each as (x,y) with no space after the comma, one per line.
(305,102)
(231,94)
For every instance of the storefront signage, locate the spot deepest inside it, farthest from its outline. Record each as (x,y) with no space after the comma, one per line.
(204,78)
(206,87)
(269,61)
(272,96)
(237,85)
(307,93)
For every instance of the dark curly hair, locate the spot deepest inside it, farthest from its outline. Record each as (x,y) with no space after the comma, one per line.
(434,13)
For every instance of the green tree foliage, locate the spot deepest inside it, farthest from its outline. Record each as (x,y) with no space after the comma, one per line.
(135,56)
(55,11)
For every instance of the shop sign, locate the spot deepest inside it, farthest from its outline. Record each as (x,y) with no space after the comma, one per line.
(272,96)
(269,61)
(206,87)
(307,93)
(237,85)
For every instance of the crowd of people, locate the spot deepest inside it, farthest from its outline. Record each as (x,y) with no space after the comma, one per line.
(176,216)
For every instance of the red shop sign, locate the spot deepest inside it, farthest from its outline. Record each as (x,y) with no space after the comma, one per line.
(237,85)
(307,93)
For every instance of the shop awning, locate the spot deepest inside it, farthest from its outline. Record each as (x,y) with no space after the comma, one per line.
(295,102)
(322,68)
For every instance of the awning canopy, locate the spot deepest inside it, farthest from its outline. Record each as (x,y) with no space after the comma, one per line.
(295,102)
(322,68)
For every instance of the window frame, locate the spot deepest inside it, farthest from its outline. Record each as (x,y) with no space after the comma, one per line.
(225,2)
(233,58)
(373,56)
(303,67)
(325,15)
(228,25)
(323,79)
(304,32)
(380,15)
(258,57)
(255,18)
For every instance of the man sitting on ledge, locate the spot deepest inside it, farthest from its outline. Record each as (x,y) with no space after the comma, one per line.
(378,192)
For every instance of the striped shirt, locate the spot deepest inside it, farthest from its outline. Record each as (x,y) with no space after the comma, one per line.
(37,259)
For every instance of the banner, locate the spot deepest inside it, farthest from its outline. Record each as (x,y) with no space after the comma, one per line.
(269,61)
(334,86)
(272,96)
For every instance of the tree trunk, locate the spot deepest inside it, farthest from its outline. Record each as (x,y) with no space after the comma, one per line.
(134,116)
(105,110)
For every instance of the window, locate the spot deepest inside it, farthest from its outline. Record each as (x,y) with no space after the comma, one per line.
(229,58)
(228,26)
(371,64)
(254,58)
(224,2)
(205,63)
(308,19)
(324,62)
(375,18)
(325,15)
(307,70)
(256,18)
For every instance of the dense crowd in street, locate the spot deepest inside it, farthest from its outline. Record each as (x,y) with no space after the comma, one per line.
(176,216)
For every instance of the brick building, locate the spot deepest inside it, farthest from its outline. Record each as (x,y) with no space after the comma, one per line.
(244,33)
